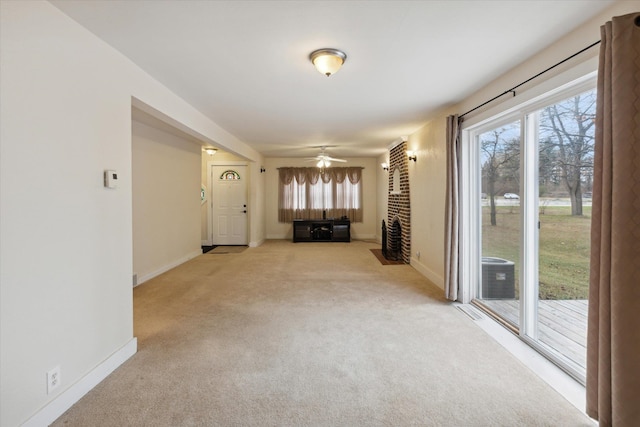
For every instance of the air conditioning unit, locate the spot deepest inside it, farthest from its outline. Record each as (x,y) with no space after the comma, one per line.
(498,281)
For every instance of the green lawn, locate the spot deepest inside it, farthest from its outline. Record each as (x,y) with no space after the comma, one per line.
(564,248)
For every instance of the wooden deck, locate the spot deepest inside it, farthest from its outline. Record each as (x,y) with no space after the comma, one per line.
(562,324)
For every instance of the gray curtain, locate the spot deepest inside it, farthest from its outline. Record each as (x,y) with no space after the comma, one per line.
(452,203)
(613,339)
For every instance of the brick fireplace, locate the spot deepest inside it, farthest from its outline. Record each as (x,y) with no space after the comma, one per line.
(399,205)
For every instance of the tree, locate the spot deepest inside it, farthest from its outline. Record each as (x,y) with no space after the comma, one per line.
(500,162)
(567,131)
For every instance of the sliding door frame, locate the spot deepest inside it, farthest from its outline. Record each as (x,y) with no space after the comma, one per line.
(528,112)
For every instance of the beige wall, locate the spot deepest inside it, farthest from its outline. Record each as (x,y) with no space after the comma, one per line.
(66,105)
(166,200)
(427,180)
(361,230)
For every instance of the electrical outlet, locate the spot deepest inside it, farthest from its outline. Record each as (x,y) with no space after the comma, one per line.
(53,379)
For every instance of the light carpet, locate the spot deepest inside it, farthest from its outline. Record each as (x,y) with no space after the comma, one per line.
(312,334)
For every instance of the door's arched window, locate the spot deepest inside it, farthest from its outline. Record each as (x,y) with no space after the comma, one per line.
(230,175)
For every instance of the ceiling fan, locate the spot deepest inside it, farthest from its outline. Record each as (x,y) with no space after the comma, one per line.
(323,159)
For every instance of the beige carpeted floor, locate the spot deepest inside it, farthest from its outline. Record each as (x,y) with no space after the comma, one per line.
(312,334)
(227,250)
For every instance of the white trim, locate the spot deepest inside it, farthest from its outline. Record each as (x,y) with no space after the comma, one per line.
(434,277)
(256,244)
(278,237)
(353,237)
(470,231)
(165,268)
(65,400)
(529,221)
(359,236)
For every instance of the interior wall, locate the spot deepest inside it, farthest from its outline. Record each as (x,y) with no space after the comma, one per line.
(65,120)
(428,177)
(65,106)
(365,230)
(166,201)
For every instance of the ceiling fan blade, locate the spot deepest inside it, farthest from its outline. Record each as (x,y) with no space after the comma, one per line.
(335,160)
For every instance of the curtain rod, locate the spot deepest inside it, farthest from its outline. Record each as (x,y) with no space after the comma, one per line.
(513,89)
(315,167)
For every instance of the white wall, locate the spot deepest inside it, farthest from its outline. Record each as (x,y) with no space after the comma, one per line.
(166,201)
(427,175)
(66,247)
(359,230)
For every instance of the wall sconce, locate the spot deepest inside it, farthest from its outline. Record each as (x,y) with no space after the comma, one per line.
(412,156)
(385,166)
(210,151)
(262,169)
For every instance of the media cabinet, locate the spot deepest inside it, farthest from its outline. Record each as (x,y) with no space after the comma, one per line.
(321,230)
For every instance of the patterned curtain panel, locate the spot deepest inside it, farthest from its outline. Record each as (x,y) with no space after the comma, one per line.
(613,339)
(307,193)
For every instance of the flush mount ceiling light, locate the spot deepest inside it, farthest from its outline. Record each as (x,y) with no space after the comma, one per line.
(328,61)
(210,151)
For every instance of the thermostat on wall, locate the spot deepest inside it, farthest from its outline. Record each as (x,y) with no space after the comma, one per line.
(111,179)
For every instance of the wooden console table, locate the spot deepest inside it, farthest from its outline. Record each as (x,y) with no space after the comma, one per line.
(321,230)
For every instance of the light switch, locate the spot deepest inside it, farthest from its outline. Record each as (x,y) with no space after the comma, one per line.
(111,179)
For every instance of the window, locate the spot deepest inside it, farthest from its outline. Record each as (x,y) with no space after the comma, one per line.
(229,175)
(527,218)
(311,193)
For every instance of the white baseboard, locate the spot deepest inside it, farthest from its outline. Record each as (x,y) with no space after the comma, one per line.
(206,243)
(65,400)
(174,264)
(363,236)
(278,237)
(353,237)
(428,273)
(256,244)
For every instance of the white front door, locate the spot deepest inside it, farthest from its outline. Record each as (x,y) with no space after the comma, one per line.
(229,205)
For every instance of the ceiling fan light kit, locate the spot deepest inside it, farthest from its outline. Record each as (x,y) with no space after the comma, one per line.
(323,163)
(328,61)
(323,159)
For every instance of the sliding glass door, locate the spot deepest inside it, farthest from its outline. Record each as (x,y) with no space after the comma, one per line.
(532,189)
(565,146)
(501,222)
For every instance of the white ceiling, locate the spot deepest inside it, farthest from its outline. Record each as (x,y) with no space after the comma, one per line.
(245,63)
